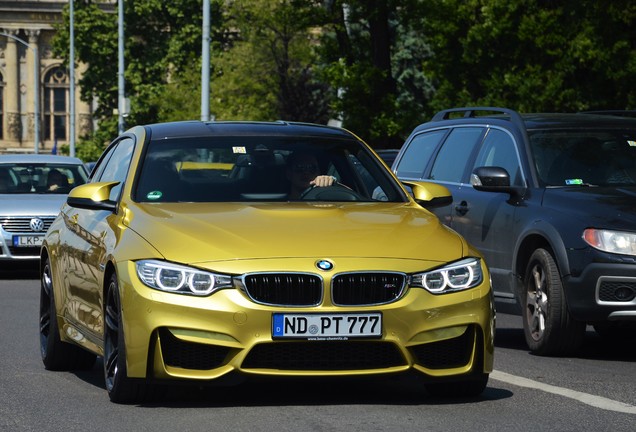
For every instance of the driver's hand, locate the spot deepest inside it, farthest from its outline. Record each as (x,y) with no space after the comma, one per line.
(323,181)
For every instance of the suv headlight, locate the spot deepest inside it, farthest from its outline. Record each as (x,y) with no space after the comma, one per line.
(618,242)
(452,277)
(180,279)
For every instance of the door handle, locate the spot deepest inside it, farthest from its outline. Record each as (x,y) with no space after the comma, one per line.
(462,208)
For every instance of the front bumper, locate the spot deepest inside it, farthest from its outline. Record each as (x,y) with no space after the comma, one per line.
(172,336)
(602,291)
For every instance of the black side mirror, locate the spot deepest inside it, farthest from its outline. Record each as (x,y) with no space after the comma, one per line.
(484,178)
(494,179)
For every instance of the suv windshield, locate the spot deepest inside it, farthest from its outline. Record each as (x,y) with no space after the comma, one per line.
(584,157)
(258,168)
(39,178)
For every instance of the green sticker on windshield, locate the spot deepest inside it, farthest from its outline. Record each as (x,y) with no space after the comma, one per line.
(154,195)
(573,182)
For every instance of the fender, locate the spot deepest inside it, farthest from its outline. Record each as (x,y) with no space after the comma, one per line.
(538,233)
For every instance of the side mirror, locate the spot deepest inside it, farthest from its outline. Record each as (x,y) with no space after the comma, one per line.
(430,195)
(493,179)
(93,196)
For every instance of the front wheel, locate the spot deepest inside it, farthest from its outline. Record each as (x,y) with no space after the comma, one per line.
(548,327)
(121,388)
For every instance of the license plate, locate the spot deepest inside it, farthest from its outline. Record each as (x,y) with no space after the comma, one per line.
(327,326)
(27,241)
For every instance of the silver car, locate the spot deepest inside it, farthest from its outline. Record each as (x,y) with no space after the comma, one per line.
(32,190)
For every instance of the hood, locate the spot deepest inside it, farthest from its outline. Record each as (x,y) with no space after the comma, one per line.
(204,232)
(606,207)
(31,204)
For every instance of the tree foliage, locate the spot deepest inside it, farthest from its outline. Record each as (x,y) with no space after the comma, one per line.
(268,69)
(532,55)
(380,66)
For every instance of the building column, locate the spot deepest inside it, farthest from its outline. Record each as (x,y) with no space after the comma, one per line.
(84,113)
(31,92)
(12,124)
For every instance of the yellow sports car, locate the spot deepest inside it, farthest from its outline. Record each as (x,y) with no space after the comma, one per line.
(203,252)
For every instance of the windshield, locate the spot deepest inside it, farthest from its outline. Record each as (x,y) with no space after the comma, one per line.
(40,178)
(585,157)
(262,169)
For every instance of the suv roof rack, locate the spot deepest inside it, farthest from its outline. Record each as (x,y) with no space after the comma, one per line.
(515,117)
(618,113)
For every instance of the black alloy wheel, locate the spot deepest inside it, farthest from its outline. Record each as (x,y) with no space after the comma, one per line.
(121,388)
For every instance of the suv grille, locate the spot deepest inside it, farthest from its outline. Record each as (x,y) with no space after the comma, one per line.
(331,356)
(22,224)
(611,291)
(284,289)
(352,289)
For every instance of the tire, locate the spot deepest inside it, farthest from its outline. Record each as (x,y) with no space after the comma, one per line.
(460,389)
(121,388)
(548,327)
(57,355)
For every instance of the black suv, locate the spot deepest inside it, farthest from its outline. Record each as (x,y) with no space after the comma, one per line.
(550,200)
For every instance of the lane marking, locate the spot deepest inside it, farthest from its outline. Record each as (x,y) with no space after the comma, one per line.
(586,398)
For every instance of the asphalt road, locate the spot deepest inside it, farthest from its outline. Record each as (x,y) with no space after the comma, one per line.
(591,392)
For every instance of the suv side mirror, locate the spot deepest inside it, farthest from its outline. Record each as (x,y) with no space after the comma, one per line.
(493,179)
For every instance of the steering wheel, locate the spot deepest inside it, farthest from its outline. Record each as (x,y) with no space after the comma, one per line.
(335,192)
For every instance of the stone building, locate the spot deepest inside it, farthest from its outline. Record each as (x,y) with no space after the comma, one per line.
(27,27)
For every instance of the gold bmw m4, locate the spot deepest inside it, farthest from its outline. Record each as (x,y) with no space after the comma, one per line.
(200,252)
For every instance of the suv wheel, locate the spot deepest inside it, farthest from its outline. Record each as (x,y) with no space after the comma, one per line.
(548,327)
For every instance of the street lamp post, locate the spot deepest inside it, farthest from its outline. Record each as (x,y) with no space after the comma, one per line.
(71,69)
(36,85)
(205,63)
(121,93)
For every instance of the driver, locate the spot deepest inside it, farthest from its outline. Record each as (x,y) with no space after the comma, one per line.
(303,173)
(57,182)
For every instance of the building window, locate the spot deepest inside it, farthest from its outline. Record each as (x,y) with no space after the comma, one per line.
(56,95)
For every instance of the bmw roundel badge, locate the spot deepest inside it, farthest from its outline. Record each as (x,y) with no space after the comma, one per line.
(324,265)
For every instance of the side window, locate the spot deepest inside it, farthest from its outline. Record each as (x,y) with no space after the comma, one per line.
(116,167)
(418,153)
(452,159)
(499,150)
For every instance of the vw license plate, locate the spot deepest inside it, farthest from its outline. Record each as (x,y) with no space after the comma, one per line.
(327,326)
(27,241)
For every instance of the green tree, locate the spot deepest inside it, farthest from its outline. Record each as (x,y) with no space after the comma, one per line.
(532,55)
(380,66)
(372,54)
(162,44)
(267,71)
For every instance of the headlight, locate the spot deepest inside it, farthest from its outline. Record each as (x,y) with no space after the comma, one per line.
(179,279)
(618,242)
(456,276)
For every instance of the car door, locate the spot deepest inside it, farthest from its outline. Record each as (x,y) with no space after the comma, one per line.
(91,234)
(487,219)
(451,166)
